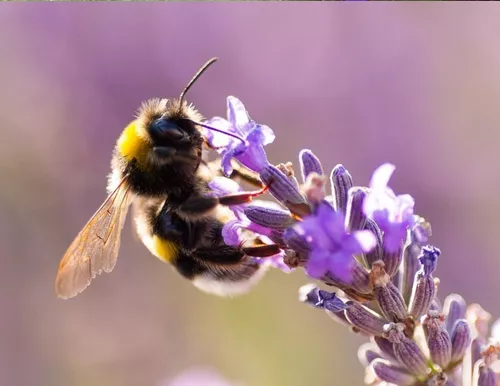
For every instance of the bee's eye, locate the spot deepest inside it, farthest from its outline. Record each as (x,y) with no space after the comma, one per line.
(163,130)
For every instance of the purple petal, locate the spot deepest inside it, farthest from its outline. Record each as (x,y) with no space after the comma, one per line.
(340,265)
(394,237)
(379,200)
(222,186)
(254,157)
(226,162)
(261,135)
(366,239)
(312,233)
(256,228)
(215,138)
(276,261)
(381,176)
(317,265)
(237,114)
(231,232)
(332,221)
(405,204)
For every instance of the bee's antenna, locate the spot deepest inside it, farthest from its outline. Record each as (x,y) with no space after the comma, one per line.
(217,130)
(195,78)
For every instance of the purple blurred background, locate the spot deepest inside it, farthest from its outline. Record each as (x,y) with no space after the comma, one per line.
(360,84)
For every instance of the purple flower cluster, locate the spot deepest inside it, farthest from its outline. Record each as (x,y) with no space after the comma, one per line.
(368,243)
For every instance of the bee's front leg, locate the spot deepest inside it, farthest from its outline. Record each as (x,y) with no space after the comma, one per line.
(201,205)
(230,254)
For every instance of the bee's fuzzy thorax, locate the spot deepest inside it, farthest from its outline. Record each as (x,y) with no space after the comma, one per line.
(148,111)
(175,109)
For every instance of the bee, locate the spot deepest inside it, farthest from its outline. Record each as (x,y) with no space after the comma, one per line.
(157,168)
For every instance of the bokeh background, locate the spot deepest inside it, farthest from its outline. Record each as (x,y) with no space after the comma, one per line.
(414,84)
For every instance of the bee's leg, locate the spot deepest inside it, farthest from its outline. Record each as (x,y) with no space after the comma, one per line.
(229,254)
(219,254)
(264,250)
(246,175)
(200,205)
(239,172)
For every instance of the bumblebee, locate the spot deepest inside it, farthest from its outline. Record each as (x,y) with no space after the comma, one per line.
(158,168)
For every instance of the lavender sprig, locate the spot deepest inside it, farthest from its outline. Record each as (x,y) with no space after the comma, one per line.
(368,243)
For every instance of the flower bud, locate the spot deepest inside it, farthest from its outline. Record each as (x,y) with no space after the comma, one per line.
(438,339)
(284,190)
(422,296)
(367,353)
(392,261)
(309,163)
(341,182)
(390,373)
(411,266)
(487,377)
(386,347)
(460,339)
(387,294)
(406,350)
(355,217)
(269,217)
(376,253)
(364,319)
(454,308)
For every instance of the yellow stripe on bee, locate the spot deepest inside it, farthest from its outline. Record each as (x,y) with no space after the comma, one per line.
(164,249)
(133,146)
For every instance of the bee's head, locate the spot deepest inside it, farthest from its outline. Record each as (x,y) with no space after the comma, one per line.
(173,135)
(163,134)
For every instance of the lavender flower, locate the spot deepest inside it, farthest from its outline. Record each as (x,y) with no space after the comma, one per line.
(393,214)
(250,149)
(332,247)
(369,244)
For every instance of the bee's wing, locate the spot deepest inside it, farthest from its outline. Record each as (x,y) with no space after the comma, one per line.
(95,249)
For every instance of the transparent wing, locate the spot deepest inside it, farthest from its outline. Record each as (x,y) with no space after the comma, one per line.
(95,249)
